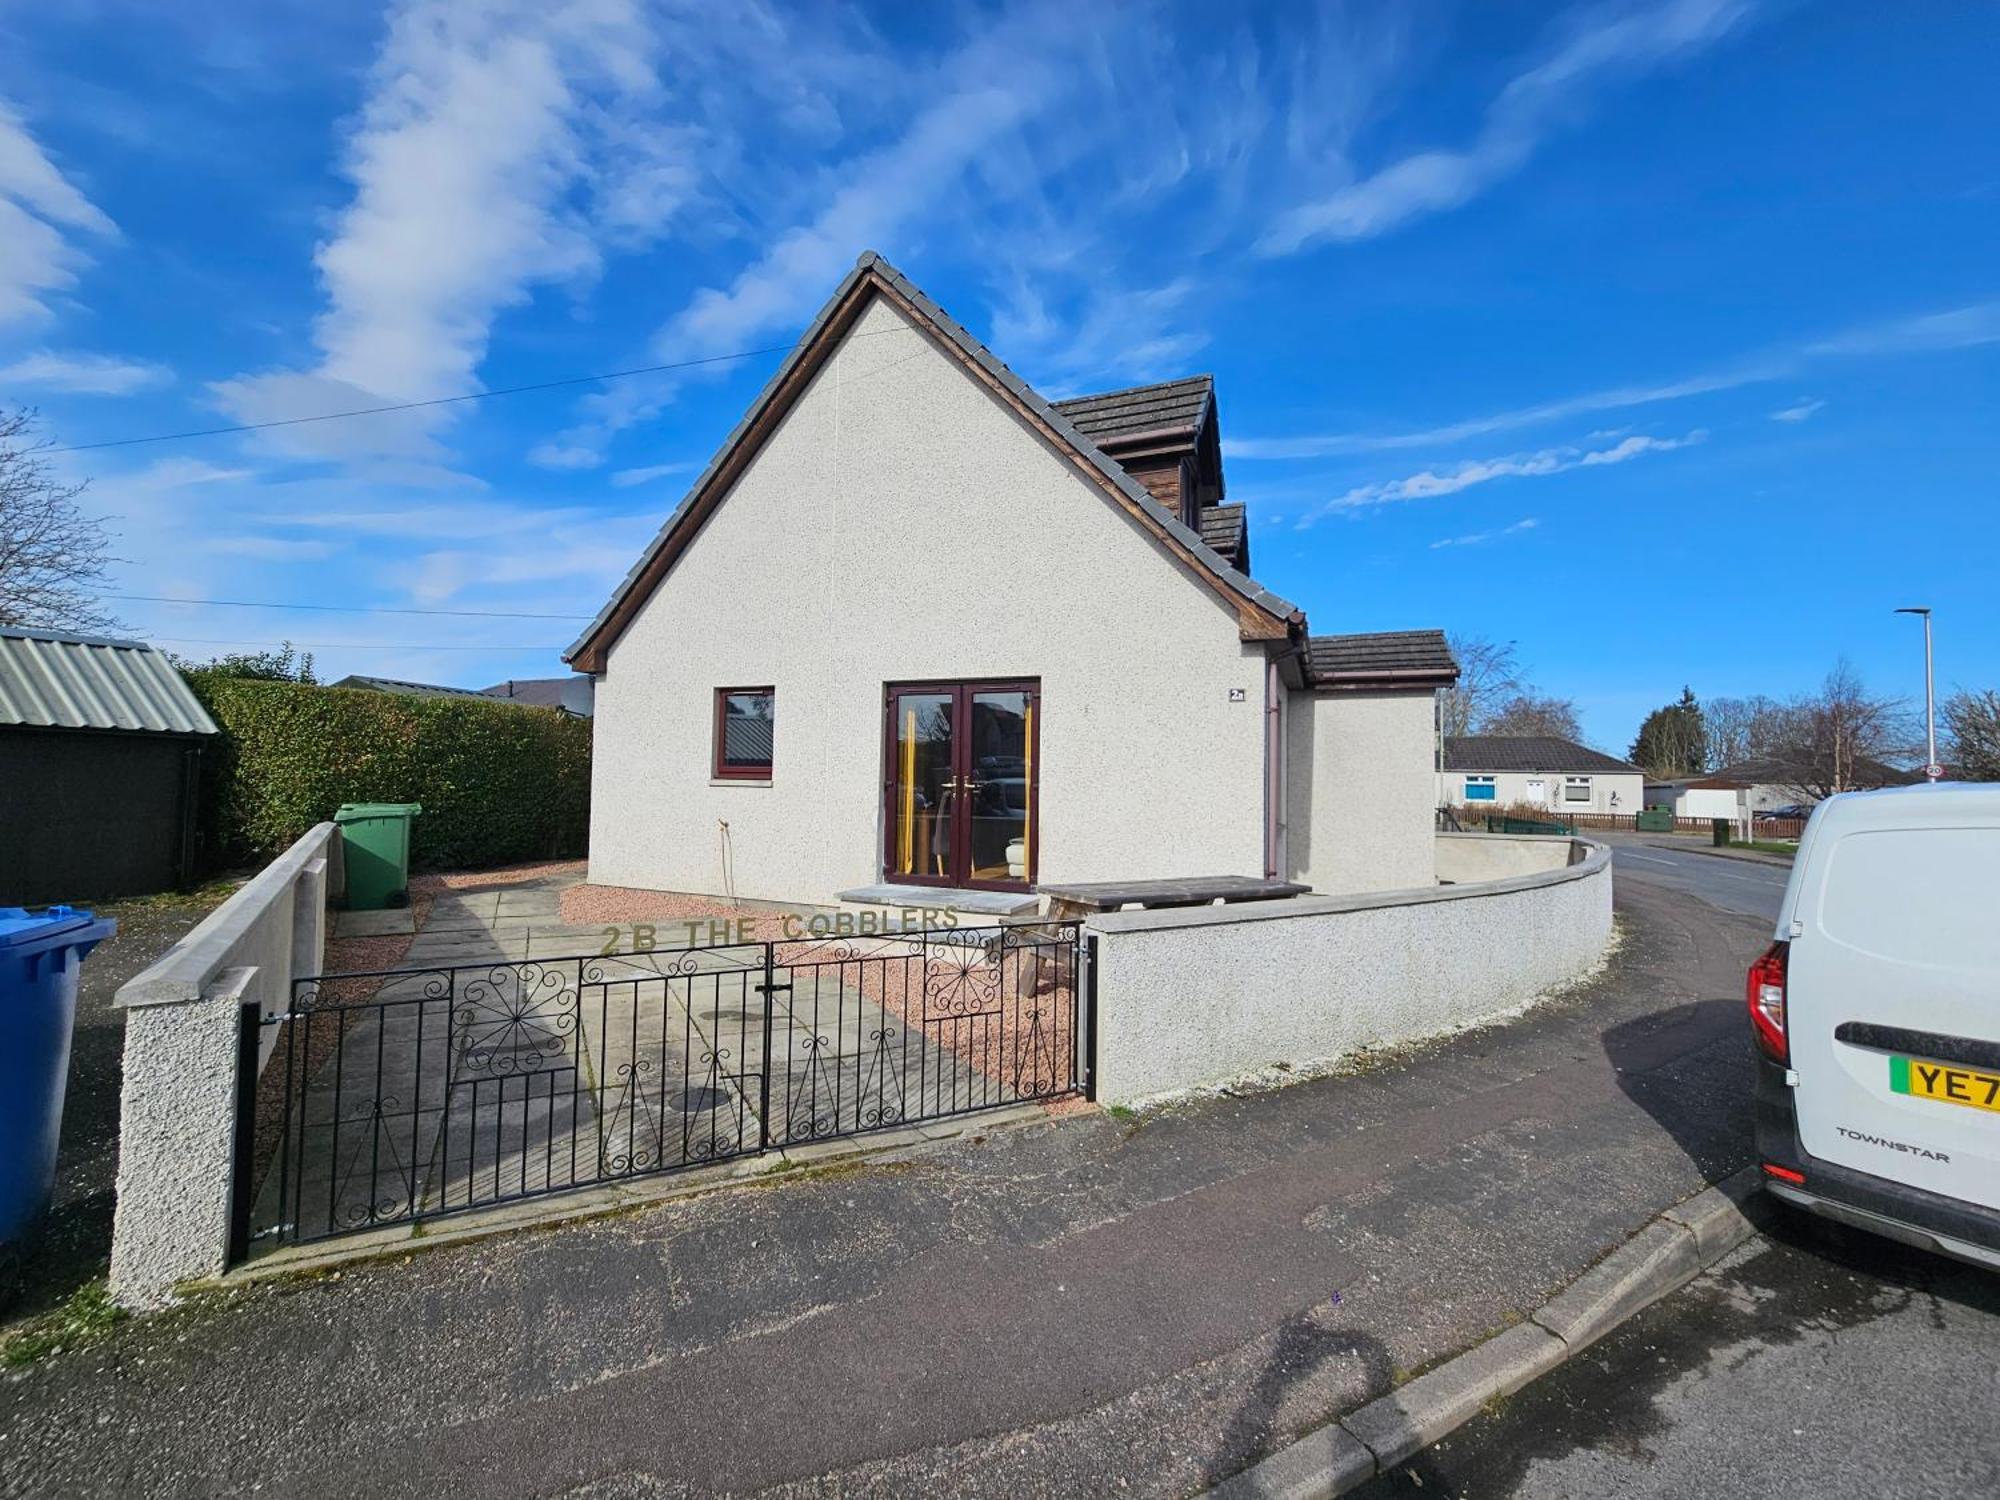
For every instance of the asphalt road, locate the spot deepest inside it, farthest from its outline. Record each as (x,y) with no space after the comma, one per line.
(1735,885)
(1816,1361)
(1092,1307)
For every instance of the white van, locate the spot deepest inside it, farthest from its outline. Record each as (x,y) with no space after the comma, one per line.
(1876,1014)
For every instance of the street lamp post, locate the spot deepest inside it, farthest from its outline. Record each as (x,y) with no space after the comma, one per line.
(1932,770)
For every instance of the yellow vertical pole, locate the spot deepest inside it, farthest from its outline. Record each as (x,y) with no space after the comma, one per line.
(1028,819)
(905,846)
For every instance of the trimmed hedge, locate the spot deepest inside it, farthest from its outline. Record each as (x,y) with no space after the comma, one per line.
(499,783)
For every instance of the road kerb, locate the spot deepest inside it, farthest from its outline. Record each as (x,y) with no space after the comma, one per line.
(1653,1262)
(1673,1248)
(1408,1420)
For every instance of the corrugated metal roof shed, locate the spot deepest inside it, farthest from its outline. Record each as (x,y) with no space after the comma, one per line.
(49,680)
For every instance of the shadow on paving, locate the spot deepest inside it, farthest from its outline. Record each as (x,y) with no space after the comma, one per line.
(1304,1345)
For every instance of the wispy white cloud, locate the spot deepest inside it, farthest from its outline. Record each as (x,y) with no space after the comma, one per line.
(1797,412)
(1972,326)
(1967,327)
(1330,444)
(40,211)
(995,89)
(483,125)
(1120,333)
(81,374)
(1480,538)
(1604,43)
(564,456)
(1429,484)
(645,474)
(272,548)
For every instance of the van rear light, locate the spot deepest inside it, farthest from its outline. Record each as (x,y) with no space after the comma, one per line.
(1765,992)
(1785,1174)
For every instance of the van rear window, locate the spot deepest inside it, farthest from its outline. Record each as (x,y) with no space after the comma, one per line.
(1916,895)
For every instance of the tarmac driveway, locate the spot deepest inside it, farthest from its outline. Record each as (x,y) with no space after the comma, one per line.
(1085,1307)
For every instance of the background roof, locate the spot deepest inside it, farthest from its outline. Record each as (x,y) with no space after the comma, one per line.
(49,680)
(1529,752)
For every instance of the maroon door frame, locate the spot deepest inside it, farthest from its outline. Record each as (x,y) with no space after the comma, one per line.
(962,693)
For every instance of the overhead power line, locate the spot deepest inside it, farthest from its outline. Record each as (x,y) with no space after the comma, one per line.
(200,640)
(393,406)
(350,609)
(376,411)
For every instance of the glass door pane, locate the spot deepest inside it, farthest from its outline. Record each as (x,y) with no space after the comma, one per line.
(922,786)
(1000,780)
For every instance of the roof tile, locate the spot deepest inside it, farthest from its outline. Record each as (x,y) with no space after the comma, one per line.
(1530,753)
(1354,660)
(1168,406)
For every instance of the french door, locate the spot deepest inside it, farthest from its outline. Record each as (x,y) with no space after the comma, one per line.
(960,791)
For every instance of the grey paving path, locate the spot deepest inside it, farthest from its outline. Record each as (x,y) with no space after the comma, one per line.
(1091,1307)
(502,1064)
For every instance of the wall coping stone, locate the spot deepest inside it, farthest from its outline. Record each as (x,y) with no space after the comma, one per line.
(188,968)
(1597,858)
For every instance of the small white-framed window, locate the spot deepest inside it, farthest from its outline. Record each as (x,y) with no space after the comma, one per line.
(1480,789)
(1576,788)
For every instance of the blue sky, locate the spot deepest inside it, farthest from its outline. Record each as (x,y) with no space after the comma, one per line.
(1661,338)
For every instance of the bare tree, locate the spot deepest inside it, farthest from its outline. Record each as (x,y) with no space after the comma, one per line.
(1488,675)
(1533,713)
(1741,729)
(1972,729)
(52,555)
(1837,739)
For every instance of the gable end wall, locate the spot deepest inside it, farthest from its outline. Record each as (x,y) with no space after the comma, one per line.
(904,524)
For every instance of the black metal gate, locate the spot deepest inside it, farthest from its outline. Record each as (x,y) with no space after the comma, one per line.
(408,1094)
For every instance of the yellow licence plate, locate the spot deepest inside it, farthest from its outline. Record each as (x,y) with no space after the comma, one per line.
(1945,1083)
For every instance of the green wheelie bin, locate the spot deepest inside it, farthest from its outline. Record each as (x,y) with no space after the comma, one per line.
(375,839)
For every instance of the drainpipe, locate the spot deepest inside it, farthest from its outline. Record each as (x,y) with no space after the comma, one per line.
(1270,768)
(1274,770)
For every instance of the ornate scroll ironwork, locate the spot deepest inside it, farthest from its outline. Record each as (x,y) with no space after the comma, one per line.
(413,1093)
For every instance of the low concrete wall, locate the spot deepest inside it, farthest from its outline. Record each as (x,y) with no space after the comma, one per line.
(177,1114)
(1194,997)
(1463,858)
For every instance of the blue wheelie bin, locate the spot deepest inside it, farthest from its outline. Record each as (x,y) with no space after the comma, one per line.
(40,953)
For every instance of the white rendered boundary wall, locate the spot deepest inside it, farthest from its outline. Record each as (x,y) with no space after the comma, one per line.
(1193,997)
(183,1055)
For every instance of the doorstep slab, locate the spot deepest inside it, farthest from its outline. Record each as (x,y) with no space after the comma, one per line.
(940,898)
